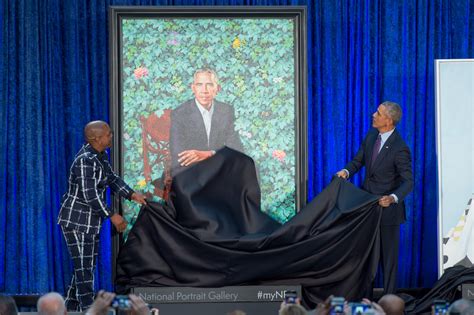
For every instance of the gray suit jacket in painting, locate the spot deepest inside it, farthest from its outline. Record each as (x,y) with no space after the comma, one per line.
(189,133)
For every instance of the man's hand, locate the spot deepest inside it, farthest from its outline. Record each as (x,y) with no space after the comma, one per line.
(324,308)
(283,304)
(342,173)
(386,201)
(119,222)
(378,310)
(138,306)
(189,157)
(138,198)
(101,303)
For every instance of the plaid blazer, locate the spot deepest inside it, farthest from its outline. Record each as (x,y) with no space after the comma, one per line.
(83,206)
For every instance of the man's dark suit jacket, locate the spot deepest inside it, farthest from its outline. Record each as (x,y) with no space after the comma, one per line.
(390,174)
(189,133)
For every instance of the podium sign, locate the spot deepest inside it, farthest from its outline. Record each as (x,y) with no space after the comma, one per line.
(250,299)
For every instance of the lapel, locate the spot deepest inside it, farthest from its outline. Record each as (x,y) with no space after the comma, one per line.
(387,147)
(196,122)
(215,125)
(370,148)
(99,158)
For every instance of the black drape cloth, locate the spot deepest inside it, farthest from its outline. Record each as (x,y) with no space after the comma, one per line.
(446,288)
(212,233)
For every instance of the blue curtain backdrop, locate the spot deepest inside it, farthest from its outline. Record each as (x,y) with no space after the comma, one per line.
(54,72)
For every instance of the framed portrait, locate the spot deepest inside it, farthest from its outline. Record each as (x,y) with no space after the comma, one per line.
(254,59)
(454,80)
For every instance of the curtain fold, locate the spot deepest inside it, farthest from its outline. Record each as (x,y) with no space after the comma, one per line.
(54,70)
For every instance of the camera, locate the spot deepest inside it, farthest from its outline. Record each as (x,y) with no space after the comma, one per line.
(121,302)
(290,297)
(440,307)
(337,306)
(359,308)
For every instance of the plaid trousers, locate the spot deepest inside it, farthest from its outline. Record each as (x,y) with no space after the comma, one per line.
(83,249)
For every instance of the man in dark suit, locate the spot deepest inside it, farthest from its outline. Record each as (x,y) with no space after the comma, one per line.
(388,173)
(83,209)
(202,125)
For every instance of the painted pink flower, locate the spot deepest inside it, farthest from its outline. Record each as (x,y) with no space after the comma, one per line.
(140,72)
(279,155)
(173,42)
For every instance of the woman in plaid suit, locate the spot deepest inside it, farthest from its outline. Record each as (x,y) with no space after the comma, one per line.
(83,209)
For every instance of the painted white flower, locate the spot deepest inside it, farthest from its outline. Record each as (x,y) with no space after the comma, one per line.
(277,80)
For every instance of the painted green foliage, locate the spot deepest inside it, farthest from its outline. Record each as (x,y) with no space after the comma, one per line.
(254,59)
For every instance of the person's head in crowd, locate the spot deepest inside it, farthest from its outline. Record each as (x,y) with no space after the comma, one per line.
(392,304)
(461,307)
(51,304)
(292,309)
(7,305)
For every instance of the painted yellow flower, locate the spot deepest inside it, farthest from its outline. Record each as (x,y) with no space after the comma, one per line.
(236,43)
(142,183)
